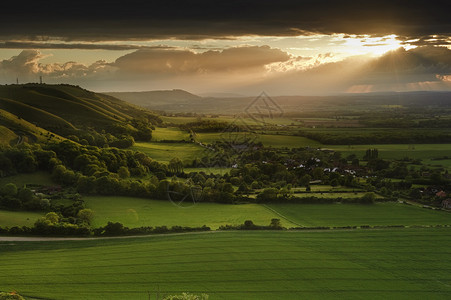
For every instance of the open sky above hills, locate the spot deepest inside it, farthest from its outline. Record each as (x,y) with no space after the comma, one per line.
(281,47)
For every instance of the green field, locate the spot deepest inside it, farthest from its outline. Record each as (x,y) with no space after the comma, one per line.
(170,133)
(333,195)
(359,214)
(18,218)
(268,140)
(135,212)
(397,151)
(164,152)
(361,264)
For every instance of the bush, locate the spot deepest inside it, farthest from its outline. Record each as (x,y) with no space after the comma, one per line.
(187,296)
(14,296)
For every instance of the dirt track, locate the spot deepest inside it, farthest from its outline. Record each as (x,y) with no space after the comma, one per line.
(52,239)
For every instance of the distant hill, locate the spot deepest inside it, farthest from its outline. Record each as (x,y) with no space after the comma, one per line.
(178,101)
(39,110)
(156,98)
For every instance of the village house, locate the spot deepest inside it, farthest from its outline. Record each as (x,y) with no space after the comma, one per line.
(446,204)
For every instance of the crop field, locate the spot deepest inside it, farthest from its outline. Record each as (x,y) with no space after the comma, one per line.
(136,212)
(164,152)
(397,151)
(360,214)
(170,133)
(18,218)
(358,264)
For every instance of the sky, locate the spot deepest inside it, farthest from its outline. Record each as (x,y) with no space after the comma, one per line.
(238,47)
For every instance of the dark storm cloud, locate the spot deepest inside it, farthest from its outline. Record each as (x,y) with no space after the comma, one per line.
(425,63)
(157,61)
(84,46)
(198,19)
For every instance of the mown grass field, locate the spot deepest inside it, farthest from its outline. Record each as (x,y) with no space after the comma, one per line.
(164,152)
(170,133)
(18,218)
(359,214)
(136,212)
(358,264)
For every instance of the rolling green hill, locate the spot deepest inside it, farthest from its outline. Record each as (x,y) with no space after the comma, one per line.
(35,109)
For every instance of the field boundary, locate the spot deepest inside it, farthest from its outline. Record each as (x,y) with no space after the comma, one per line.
(280,215)
(289,230)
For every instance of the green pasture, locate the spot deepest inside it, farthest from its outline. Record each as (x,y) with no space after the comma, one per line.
(397,151)
(18,218)
(445,163)
(136,212)
(178,120)
(327,188)
(268,140)
(164,152)
(169,133)
(360,214)
(358,264)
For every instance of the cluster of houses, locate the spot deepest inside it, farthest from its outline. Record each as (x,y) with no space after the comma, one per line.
(446,202)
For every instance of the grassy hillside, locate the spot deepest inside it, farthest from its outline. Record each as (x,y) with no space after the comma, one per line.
(361,264)
(64,108)
(7,136)
(16,127)
(157,98)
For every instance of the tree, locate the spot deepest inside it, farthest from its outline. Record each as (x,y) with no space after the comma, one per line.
(25,195)
(123,172)
(369,198)
(318,173)
(267,195)
(85,215)
(9,189)
(52,217)
(275,223)
(305,180)
(176,165)
(248,224)
(186,296)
